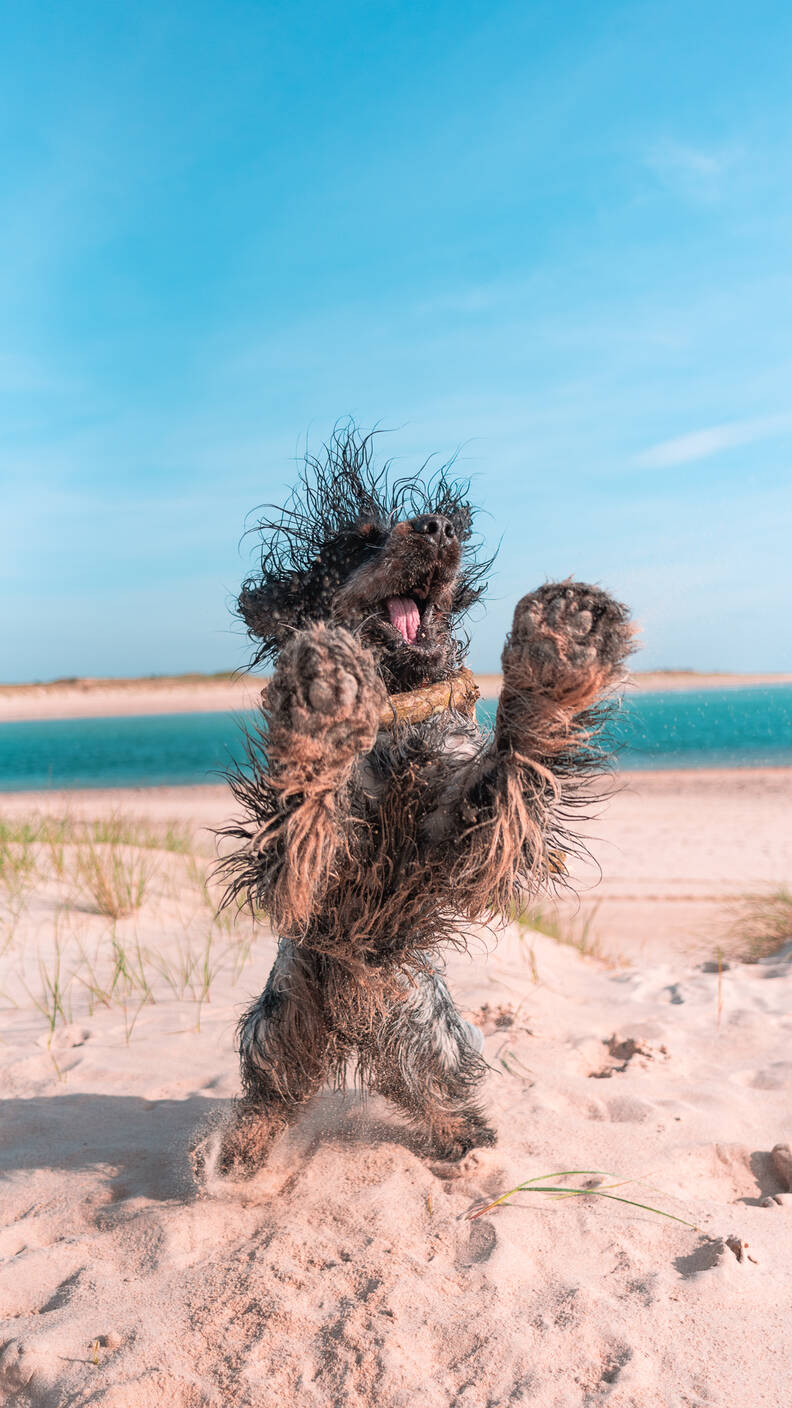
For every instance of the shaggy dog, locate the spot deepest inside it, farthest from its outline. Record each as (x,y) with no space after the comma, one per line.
(377,816)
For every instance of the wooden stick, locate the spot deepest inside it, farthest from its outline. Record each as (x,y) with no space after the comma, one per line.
(415,705)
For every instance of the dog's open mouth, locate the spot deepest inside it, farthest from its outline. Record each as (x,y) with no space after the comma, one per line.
(401,603)
(404,616)
(410,617)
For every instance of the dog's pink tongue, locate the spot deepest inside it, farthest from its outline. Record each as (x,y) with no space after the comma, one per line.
(404,615)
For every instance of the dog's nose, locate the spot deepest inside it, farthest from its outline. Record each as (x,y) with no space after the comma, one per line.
(435,527)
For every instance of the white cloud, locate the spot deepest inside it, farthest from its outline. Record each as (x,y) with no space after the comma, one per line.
(701,444)
(696,173)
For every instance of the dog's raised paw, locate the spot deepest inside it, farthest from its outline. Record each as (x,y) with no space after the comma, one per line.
(563,633)
(327,687)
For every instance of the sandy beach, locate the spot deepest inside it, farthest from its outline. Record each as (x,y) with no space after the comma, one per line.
(327,330)
(87,698)
(625,1038)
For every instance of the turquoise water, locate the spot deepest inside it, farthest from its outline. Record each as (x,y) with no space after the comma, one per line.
(703,728)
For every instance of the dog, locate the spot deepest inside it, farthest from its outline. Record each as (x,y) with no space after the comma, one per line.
(378,820)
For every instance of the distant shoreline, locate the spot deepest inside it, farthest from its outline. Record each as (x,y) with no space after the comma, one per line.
(183,694)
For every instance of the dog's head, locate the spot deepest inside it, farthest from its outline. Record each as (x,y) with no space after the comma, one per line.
(393,562)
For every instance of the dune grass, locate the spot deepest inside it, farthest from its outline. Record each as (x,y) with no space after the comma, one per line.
(759,925)
(108,860)
(116,829)
(573,932)
(85,883)
(115,877)
(52,1001)
(17,872)
(540,1184)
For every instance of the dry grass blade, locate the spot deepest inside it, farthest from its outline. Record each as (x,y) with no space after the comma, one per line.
(572,933)
(17,872)
(761,925)
(120,830)
(539,1178)
(539,1184)
(115,878)
(129,1023)
(54,990)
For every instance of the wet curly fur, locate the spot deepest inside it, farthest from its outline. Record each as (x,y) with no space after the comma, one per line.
(370,849)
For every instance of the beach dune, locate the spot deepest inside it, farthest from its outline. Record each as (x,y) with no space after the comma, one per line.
(96,698)
(351,1270)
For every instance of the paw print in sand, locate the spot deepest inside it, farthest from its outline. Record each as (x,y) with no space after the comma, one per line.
(566,637)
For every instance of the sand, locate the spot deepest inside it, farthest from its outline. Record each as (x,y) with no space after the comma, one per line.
(83,699)
(88,698)
(349,1272)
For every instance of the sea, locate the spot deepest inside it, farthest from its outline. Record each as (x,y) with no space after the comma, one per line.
(728,728)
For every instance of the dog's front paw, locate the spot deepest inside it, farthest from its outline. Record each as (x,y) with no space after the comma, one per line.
(327,690)
(569,640)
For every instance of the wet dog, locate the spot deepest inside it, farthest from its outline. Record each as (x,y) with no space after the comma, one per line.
(377,819)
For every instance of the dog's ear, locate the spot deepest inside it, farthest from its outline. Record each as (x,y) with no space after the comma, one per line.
(264,608)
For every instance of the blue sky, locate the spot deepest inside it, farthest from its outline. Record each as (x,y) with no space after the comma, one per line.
(556,236)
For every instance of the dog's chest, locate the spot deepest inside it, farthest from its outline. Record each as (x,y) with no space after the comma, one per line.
(417,761)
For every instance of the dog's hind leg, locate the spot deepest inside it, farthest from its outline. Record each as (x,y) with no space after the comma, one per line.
(285,1049)
(427,1061)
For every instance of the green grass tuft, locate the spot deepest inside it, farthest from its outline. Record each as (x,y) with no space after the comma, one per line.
(572,933)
